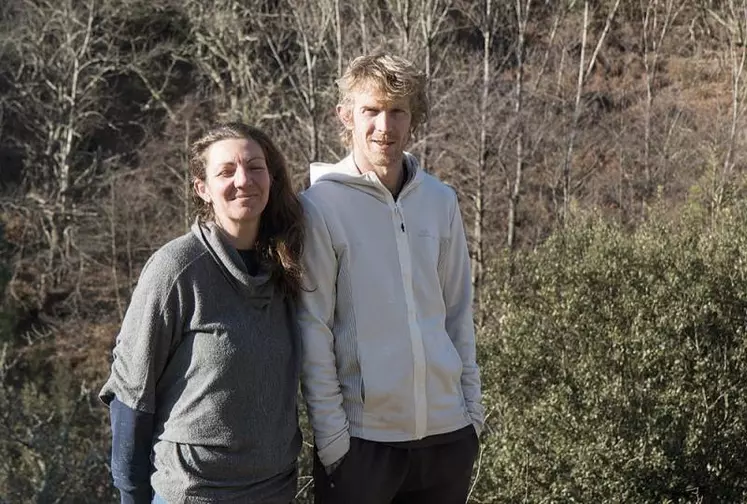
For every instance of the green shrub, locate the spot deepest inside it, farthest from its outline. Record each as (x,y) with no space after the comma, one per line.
(5,316)
(615,366)
(53,433)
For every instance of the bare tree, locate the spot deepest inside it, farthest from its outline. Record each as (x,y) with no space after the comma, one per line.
(432,19)
(584,71)
(338,37)
(402,18)
(732,21)
(484,17)
(574,121)
(312,26)
(65,58)
(228,37)
(522,18)
(657,18)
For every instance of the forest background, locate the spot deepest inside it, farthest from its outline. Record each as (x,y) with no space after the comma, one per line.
(599,152)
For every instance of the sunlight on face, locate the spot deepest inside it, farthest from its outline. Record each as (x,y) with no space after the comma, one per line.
(237,183)
(380,128)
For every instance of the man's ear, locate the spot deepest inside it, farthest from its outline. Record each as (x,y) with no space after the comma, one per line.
(345,115)
(201,191)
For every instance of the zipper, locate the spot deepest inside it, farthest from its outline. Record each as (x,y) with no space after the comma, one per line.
(416,337)
(398,211)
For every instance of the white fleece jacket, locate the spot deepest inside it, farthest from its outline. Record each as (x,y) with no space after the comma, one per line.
(387,332)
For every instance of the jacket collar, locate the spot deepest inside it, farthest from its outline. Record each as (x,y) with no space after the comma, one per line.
(347,173)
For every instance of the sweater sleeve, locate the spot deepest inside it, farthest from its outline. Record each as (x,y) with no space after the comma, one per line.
(140,356)
(457,293)
(319,381)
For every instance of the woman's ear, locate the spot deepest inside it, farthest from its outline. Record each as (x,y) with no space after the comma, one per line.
(201,190)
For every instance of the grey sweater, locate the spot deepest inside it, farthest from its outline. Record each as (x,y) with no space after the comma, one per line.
(211,352)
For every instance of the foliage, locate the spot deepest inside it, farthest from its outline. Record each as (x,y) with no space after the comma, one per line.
(5,270)
(615,368)
(52,441)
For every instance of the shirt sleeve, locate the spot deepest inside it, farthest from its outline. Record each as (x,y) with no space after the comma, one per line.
(319,381)
(457,293)
(132,434)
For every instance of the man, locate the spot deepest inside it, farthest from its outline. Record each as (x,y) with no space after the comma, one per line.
(389,369)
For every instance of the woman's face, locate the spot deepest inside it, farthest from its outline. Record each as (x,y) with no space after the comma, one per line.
(237,182)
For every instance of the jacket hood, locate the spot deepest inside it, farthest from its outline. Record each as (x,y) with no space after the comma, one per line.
(347,173)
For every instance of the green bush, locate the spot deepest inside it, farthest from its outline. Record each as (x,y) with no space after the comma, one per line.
(615,366)
(53,434)
(5,317)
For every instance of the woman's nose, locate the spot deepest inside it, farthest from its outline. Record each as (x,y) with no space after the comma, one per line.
(241,177)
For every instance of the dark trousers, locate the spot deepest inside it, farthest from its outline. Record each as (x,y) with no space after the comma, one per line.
(377,473)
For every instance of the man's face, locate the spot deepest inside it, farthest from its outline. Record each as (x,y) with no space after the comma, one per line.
(380,128)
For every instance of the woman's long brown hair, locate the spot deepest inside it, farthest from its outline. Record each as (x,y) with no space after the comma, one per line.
(281,229)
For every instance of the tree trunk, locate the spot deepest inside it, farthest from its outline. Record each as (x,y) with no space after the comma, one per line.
(522,15)
(479,220)
(574,121)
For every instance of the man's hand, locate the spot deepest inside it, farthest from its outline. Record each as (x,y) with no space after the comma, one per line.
(331,468)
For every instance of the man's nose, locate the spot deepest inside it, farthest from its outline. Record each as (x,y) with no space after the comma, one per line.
(383,120)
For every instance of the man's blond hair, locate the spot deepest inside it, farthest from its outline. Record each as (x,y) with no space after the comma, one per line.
(393,76)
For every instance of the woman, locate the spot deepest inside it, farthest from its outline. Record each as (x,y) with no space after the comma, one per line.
(202,392)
